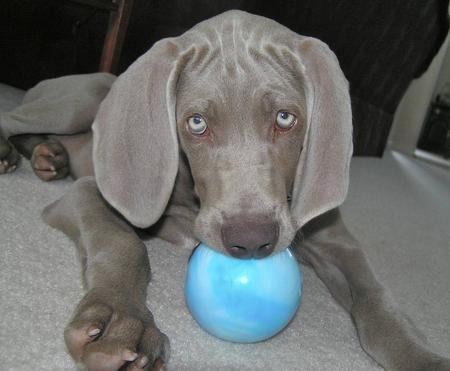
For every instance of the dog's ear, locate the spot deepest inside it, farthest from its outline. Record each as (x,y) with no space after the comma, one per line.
(135,138)
(322,176)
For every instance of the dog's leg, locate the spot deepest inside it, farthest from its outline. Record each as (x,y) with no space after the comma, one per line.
(385,333)
(49,159)
(26,143)
(62,106)
(111,328)
(9,157)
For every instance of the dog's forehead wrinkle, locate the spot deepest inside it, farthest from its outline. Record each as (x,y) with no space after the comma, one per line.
(237,47)
(202,59)
(232,37)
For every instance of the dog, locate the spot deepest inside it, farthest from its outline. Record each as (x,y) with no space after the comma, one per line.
(237,133)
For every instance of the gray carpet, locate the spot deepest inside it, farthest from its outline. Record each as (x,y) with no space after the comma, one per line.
(398,207)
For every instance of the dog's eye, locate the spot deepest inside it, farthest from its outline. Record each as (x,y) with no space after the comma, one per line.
(285,120)
(197,124)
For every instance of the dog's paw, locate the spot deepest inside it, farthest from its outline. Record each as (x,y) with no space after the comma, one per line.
(9,157)
(115,335)
(50,160)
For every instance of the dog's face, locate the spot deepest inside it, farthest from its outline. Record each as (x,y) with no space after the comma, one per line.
(240,95)
(241,126)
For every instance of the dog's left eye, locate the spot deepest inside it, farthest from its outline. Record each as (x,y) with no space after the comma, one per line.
(285,120)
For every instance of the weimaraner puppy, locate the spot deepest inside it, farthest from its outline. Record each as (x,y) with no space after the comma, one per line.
(237,133)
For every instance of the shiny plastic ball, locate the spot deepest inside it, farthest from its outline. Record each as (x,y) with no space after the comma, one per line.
(239,300)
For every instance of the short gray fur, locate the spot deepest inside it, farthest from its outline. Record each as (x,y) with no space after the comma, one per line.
(144,179)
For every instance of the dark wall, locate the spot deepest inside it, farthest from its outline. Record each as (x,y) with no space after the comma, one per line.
(381,44)
(40,39)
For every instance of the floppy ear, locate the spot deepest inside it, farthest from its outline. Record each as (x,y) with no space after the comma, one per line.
(135,141)
(322,176)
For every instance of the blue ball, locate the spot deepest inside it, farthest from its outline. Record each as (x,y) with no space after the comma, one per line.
(243,301)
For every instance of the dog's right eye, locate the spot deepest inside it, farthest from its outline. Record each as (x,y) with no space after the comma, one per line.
(197,124)
(285,120)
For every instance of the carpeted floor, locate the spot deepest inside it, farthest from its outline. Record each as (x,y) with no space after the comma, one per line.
(398,207)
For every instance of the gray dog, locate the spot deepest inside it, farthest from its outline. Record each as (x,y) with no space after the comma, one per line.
(237,133)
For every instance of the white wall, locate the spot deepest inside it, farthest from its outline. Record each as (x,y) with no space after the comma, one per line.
(413,108)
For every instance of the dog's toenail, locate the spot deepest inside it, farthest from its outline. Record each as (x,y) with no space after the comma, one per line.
(128,355)
(143,361)
(94,332)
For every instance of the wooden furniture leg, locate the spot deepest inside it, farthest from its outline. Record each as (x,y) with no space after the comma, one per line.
(118,23)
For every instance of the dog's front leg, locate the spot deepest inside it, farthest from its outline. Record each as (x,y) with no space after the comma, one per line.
(111,328)
(385,333)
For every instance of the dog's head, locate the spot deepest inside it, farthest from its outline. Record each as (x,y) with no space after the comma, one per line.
(262,115)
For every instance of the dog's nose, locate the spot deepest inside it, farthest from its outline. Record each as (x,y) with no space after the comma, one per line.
(247,236)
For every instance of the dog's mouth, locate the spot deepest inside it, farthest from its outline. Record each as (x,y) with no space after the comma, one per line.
(243,252)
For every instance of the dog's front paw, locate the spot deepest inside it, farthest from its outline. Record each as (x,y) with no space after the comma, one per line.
(9,157)
(113,334)
(50,160)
